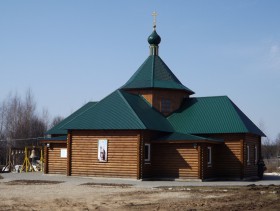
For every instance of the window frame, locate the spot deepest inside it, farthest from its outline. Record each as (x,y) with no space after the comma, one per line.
(209,156)
(165,105)
(248,155)
(256,154)
(148,159)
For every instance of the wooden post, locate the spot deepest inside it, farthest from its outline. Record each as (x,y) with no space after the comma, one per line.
(200,162)
(69,153)
(46,163)
(10,162)
(41,158)
(242,158)
(139,155)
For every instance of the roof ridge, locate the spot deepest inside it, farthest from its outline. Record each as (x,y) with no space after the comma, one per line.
(135,73)
(70,117)
(165,126)
(153,70)
(210,96)
(174,77)
(131,108)
(143,98)
(242,115)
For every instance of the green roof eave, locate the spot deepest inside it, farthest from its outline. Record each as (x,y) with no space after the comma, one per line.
(58,138)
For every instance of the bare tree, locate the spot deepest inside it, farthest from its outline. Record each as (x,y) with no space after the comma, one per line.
(268,149)
(277,142)
(20,121)
(2,113)
(56,120)
(2,137)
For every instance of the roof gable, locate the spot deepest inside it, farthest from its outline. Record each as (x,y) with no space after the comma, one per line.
(154,73)
(120,111)
(208,115)
(151,118)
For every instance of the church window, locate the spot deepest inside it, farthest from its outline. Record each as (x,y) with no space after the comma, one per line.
(209,156)
(147,152)
(165,105)
(248,155)
(256,154)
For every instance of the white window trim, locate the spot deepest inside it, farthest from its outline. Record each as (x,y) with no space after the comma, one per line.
(149,152)
(248,155)
(209,150)
(256,154)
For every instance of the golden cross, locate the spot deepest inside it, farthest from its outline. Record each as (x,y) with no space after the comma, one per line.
(154,14)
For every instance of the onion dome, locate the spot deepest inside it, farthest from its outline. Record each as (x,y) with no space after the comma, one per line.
(154,38)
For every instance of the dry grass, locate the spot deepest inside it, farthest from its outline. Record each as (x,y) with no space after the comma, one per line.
(107,185)
(32,182)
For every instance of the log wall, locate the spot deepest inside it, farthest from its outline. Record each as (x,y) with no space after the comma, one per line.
(56,164)
(228,156)
(174,160)
(123,154)
(251,168)
(155,96)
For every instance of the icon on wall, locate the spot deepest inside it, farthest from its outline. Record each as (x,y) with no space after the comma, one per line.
(102,150)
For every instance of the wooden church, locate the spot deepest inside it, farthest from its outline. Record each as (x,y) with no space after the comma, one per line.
(152,128)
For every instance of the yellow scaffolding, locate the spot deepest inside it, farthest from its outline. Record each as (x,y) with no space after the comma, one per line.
(26,163)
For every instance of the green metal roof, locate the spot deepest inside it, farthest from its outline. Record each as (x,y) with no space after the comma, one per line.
(57,129)
(186,137)
(154,73)
(120,111)
(208,115)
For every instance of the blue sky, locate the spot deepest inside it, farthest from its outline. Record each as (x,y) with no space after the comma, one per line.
(71,52)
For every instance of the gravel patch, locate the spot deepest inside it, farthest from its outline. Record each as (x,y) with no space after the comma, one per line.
(32,182)
(107,185)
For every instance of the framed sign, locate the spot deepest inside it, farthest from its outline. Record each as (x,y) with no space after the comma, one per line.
(63,153)
(102,150)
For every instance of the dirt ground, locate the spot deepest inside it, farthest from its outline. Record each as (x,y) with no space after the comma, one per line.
(57,195)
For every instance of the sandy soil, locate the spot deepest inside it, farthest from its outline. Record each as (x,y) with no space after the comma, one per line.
(57,195)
